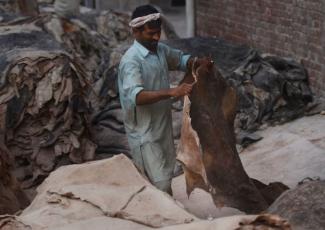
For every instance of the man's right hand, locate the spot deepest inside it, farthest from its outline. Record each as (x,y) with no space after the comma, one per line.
(148,97)
(181,90)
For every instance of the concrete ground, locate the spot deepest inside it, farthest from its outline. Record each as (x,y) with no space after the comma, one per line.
(288,153)
(199,202)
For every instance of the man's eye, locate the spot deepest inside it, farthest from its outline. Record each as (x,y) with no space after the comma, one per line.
(152,34)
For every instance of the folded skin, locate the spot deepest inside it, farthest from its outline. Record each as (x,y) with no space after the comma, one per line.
(211,115)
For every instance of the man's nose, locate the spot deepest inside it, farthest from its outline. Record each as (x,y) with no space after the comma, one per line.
(156,37)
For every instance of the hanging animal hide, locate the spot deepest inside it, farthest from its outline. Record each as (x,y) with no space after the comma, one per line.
(208,148)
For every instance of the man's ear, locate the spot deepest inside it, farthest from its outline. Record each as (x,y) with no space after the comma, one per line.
(136,31)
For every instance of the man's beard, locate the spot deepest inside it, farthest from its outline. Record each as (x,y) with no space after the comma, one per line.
(150,45)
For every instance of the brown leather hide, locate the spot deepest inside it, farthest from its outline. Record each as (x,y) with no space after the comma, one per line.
(208,149)
(12,198)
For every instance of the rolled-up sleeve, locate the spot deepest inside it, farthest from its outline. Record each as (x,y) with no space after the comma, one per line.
(130,80)
(176,59)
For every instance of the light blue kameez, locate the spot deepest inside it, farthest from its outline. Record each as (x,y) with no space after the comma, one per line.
(149,127)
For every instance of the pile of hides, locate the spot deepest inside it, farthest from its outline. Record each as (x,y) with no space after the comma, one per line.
(303,206)
(99,189)
(12,198)
(7,10)
(91,49)
(93,38)
(111,194)
(113,25)
(43,102)
(8,5)
(60,47)
(269,88)
(102,33)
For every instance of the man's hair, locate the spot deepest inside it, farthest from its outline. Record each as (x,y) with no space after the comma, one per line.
(144,11)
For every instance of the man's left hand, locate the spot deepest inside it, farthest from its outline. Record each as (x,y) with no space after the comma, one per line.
(198,62)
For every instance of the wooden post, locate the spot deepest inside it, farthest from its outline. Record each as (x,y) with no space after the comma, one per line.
(190,18)
(98,5)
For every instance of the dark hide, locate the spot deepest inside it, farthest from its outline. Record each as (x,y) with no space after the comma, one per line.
(303,206)
(211,114)
(12,198)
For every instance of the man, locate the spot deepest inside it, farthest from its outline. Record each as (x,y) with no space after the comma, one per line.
(146,97)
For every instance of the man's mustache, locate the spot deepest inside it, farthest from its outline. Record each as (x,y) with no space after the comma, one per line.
(150,43)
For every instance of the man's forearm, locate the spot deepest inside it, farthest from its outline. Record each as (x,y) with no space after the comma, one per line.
(149,97)
(145,97)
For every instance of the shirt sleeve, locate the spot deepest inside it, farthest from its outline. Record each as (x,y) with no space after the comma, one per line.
(131,81)
(176,59)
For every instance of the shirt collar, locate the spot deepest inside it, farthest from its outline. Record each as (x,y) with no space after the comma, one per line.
(143,50)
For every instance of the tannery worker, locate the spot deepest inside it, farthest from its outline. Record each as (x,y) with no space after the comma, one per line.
(146,96)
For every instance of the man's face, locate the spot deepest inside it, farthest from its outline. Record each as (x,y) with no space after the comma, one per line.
(148,37)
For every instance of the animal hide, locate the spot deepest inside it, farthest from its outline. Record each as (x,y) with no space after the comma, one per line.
(12,198)
(208,148)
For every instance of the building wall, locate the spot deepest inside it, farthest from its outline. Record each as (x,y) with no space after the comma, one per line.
(129,5)
(123,5)
(293,28)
